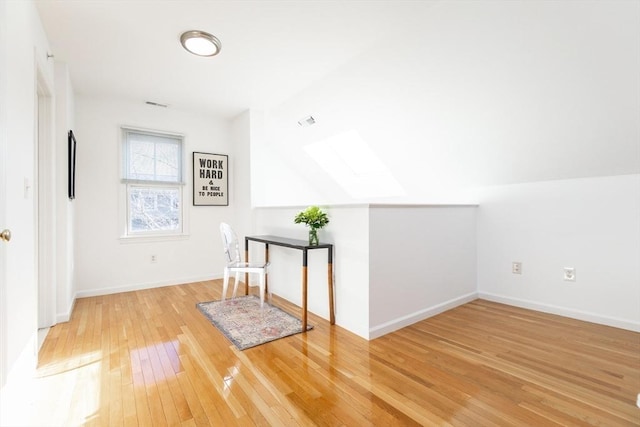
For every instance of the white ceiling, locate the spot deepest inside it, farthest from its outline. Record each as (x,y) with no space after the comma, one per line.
(270,49)
(470,92)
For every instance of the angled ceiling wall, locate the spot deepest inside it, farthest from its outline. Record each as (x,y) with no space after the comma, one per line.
(470,94)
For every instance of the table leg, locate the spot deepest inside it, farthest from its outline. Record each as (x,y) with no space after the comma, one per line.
(266,275)
(332,317)
(246,259)
(304,290)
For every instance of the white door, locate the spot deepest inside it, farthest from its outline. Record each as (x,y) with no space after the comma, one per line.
(3,243)
(3,197)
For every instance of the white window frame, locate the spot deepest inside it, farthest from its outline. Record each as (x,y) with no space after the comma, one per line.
(127,184)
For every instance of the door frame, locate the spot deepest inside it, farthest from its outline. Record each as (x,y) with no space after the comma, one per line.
(44,201)
(3,193)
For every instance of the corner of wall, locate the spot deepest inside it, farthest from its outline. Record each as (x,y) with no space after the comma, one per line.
(66,316)
(409,319)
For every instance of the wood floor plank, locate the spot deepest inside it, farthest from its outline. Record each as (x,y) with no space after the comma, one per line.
(151,358)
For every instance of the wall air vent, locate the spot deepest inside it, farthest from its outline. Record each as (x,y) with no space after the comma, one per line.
(156,104)
(307,121)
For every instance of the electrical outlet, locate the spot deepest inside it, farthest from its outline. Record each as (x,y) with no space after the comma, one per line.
(516,267)
(570,274)
(154,258)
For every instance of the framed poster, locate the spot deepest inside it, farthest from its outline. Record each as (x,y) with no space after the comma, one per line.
(210,179)
(71,187)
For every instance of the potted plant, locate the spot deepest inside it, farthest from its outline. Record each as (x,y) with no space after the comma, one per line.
(314,218)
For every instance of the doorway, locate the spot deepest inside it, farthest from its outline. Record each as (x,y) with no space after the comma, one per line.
(44,192)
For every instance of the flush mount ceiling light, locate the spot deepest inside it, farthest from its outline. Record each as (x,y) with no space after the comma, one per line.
(200,43)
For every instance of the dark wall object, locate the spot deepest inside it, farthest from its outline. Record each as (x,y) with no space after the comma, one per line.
(72,165)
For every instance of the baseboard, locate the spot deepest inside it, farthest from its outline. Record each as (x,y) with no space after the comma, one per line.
(409,319)
(142,286)
(65,317)
(563,311)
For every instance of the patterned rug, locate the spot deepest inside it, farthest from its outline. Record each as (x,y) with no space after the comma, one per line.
(247,325)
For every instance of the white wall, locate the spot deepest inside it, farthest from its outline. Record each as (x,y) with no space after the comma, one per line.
(348,230)
(422,262)
(379,286)
(104,262)
(590,224)
(471,93)
(64,252)
(26,52)
(242,221)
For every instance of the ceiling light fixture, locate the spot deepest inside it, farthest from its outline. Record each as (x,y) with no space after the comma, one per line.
(200,43)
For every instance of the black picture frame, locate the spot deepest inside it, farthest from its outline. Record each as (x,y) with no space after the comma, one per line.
(210,179)
(72,165)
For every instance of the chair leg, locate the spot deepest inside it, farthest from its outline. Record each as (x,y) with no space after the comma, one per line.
(225,284)
(235,284)
(262,289)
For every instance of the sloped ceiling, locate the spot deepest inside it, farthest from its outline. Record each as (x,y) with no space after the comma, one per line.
(471,94)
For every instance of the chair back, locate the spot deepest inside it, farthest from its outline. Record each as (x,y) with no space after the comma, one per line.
(230,244)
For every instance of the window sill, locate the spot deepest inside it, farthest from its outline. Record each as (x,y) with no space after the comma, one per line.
(153,238)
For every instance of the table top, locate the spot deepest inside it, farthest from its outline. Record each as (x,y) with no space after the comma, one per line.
(289,243)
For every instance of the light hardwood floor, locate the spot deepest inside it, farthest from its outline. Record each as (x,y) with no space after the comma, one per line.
(151,358)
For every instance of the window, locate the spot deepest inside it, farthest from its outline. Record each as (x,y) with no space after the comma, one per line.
(152,175)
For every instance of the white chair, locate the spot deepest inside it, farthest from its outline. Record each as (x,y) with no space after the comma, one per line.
(235,264)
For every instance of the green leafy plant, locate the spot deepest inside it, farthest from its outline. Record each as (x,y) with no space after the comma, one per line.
(313,217)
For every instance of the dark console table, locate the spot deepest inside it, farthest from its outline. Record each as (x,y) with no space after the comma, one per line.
(304,246)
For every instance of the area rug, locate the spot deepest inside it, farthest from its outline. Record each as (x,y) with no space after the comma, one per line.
(246,324)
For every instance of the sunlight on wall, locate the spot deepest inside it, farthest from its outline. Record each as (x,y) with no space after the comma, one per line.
(351,163)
